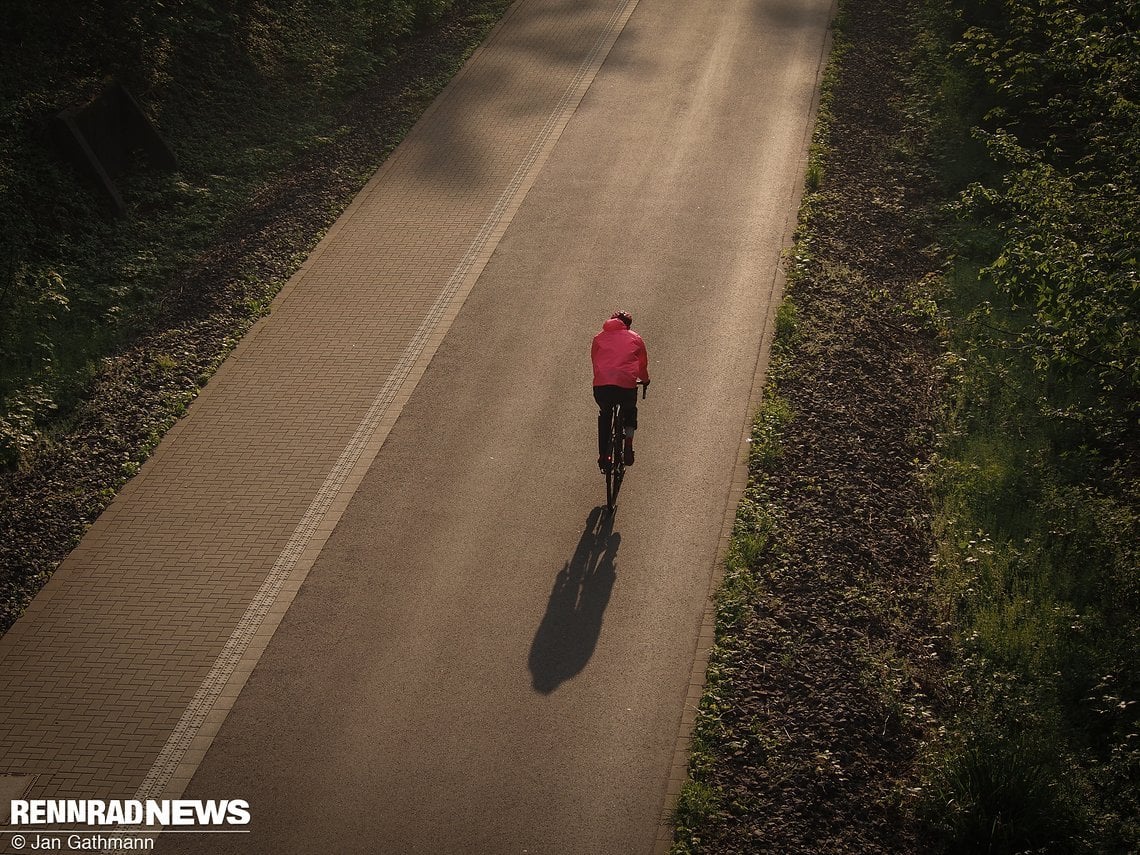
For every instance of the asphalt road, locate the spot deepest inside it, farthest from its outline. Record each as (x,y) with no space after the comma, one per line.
(482,661)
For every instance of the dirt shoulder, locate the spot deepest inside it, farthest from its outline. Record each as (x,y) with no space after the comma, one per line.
(827,667)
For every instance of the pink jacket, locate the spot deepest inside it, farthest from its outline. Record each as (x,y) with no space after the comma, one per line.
(619,356)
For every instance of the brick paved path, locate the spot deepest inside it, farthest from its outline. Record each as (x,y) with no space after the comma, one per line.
(121,671)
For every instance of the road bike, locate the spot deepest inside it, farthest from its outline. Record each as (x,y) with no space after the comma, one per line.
(615,472)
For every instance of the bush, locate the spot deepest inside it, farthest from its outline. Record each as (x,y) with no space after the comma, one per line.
(1061,78)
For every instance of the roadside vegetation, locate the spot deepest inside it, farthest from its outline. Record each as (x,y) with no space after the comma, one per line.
(992,703)
(1037,114)
(278,114)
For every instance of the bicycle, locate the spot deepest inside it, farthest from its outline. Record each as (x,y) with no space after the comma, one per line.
(615,472)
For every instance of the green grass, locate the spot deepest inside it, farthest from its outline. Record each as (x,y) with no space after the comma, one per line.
(697,805)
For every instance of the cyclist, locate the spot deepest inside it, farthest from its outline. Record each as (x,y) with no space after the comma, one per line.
(620,363)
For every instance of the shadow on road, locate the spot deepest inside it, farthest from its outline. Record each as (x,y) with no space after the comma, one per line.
(568,634)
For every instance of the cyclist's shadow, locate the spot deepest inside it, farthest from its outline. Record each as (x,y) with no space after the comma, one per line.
(568,634)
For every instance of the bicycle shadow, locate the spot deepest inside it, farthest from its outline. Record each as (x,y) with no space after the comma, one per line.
(566,637)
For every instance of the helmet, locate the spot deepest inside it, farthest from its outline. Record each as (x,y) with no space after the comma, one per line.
(625,317)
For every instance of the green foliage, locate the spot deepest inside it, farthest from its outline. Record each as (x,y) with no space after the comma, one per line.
(813,179)
(1035,491)
(786,322)
(765,449)
(698,803)
(1040,577)
(1061,78)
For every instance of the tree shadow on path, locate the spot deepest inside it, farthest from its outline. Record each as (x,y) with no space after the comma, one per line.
(568,634)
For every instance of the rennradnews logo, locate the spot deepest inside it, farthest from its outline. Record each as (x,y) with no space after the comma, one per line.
(128,812)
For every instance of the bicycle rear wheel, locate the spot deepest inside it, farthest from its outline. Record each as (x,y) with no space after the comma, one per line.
(616,470)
